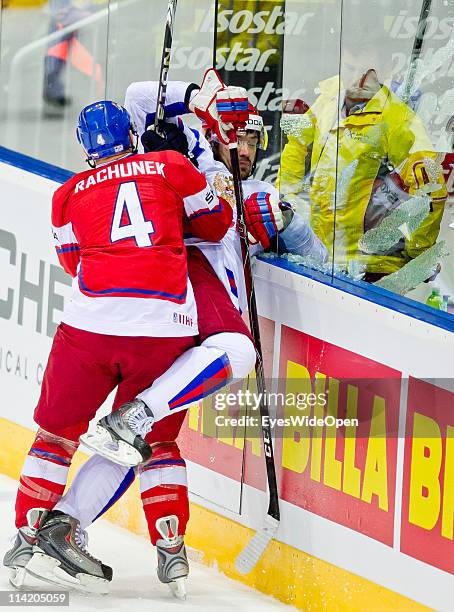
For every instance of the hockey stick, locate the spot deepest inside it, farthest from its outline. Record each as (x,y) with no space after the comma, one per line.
(249,556)
(165,63)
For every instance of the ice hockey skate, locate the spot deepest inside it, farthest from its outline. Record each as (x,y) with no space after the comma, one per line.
(120,435)
(173,567)
(21,552)
(60,556)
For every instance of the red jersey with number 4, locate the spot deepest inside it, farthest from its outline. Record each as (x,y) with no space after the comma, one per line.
(119,231)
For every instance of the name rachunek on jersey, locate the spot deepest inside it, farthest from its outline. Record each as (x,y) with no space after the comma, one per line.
(124,170)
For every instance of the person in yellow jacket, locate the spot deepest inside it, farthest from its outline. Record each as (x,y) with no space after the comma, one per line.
(356,161)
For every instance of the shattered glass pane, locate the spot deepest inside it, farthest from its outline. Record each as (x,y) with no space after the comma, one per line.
(445,113)
(415,271)
(401,282)
(356,269)
(344,179)
(428,67)
(402,222)
(430,187)
(446,103)
(307,261)
(293,125)
(433,167)
(420,70)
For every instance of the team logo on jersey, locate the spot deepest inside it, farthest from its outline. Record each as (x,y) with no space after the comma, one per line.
(182,319)
(223,184)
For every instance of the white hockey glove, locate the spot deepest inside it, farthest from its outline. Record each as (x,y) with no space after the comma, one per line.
(220,108)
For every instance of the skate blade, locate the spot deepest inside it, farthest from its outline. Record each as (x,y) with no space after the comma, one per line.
(178,588)
(17,577)
(21,580)
(47,568)
(118,451)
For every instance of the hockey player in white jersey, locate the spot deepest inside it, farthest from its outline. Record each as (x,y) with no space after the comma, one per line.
(224,340)
(263,214)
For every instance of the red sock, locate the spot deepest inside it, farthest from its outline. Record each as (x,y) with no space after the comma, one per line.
(165,501)
(164,489)
(44,474)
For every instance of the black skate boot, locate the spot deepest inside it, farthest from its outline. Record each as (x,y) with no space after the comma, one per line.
(120,435)
(173,566)
(60,556)
(21,552)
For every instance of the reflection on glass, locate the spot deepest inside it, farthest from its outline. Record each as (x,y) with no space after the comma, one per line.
(66,48)
(249,44)
(366,159)
(367,156)
(53,62)
(57,56)
(368,120)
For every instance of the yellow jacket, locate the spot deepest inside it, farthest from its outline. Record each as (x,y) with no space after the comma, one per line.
(344,163)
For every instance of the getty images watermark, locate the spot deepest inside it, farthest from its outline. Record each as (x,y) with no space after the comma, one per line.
(245,401)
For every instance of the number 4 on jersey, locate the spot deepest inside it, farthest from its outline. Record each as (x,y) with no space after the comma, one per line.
(128,205)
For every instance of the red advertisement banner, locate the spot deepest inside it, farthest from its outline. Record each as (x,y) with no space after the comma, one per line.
(428,484)
(344,474)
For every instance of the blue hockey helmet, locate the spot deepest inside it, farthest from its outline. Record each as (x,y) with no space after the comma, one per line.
(103,130)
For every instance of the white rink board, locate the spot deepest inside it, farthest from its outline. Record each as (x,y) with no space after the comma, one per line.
(26,250)
(343,320)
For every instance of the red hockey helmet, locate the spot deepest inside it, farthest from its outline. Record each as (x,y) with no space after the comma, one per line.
(255,124)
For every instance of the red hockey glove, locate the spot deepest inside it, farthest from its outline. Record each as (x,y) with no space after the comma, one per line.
(233,107)
(263,217)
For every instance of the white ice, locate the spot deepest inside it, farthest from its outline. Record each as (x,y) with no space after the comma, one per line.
(135,587)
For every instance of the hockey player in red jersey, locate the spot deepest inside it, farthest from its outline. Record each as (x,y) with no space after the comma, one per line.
(215,271)
(218,107)
(118,230)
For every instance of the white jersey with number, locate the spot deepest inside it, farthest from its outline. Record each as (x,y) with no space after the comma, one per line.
(225,257)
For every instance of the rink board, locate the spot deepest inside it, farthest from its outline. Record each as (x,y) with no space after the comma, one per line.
(367,522)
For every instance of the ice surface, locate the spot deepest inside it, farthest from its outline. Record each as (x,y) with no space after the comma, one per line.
(402,222)
(135,586)
(415,271)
